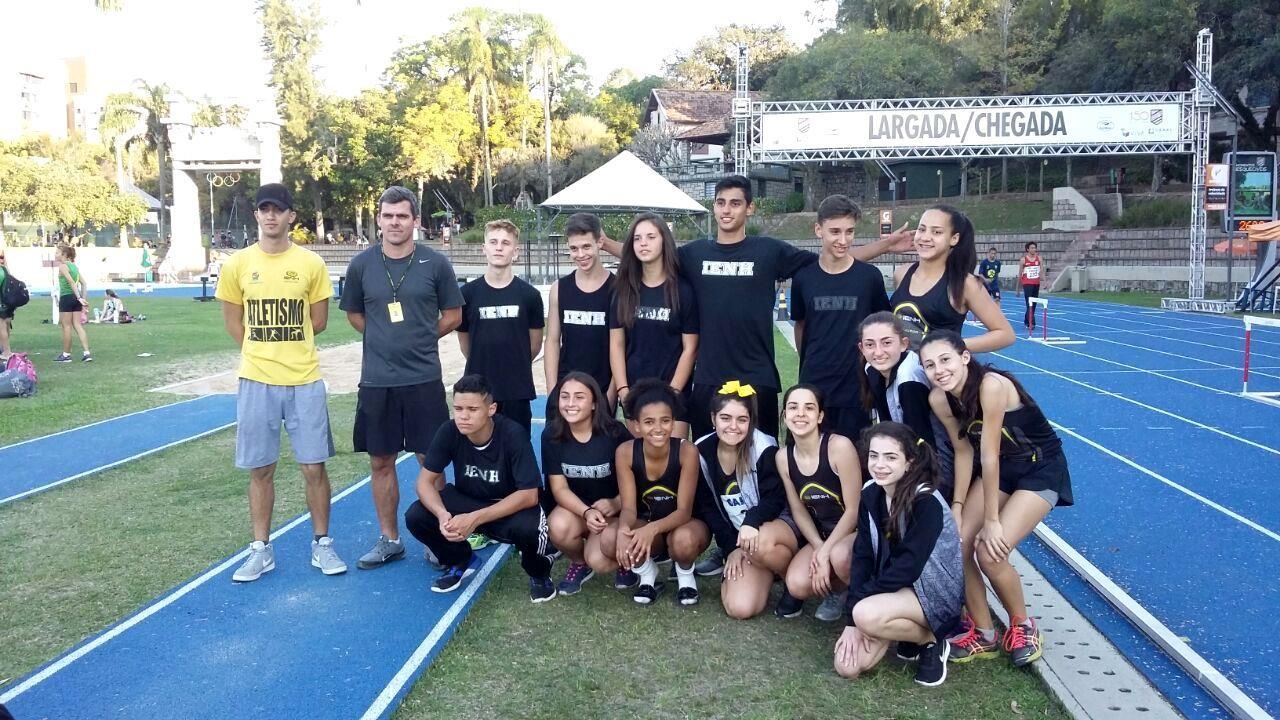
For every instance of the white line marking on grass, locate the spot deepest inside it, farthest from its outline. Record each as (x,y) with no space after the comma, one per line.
(433,638)
(164,602)
(1180,488)
(1141,404)
(100,422)
(108,466)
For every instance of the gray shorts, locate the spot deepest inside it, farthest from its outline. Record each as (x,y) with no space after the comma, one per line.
(260,409)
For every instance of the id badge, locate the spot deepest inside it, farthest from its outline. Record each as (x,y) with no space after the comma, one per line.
(396,313)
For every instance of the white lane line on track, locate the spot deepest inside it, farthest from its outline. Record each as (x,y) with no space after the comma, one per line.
(117,630)
(1143,405)
(1167,336)
(1176,486)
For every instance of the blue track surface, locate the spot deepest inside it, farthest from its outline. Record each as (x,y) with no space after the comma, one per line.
(1180,512)
(295,641)
(43,463)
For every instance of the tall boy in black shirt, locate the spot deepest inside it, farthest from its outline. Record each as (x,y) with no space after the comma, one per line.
(495,492)
(829,300)
(501,328)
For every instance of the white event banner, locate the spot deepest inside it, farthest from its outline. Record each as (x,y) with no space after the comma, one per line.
(971,127)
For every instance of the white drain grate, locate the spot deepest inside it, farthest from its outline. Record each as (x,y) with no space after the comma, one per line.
(1083,669)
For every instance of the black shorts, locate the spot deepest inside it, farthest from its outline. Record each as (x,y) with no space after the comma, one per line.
(69,303)
(846,421)
(6,313)
(786,517)
(518,411)
(389,420)
(1048,472)
(700,410)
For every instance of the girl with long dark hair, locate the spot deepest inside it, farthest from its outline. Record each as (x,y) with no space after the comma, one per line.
(1023,476)
(907,582)
(653,322)
(821,477)
(899,389)
(939,290)
(657,482)
(579,446)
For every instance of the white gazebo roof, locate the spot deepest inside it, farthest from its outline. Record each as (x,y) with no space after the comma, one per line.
(624,184)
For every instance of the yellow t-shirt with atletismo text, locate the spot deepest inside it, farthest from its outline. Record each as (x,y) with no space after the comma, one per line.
(276,292)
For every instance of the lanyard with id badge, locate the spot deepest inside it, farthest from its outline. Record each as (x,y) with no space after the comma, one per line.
(394,310)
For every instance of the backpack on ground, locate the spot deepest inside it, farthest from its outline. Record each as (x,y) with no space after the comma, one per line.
(22,363)
(13,292)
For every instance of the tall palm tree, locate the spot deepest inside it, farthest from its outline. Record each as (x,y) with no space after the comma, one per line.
(475,53)
(545,49)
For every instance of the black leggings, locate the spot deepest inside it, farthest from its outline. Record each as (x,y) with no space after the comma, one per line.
(1029,292)
(526,530)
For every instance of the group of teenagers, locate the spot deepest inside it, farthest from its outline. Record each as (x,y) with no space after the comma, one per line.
(908,472)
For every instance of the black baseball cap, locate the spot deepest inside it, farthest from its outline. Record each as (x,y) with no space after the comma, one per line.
(276,194)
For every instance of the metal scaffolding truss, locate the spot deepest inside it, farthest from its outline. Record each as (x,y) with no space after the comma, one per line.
(1193,135)
(1016,101)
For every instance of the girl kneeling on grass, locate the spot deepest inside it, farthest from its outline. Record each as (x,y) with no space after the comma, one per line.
(657,480)
(740,498)
(907,582)
(1023,476)
(821,476)
(579,445)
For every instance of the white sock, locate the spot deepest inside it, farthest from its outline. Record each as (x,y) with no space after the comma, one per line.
(685,577)
(648,572)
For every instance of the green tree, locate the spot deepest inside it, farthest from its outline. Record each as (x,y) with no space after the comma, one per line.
(1147,43)
(872,64)
(473,48)
(291,38)
(618,113)
(545,50)
(1247,62)
(943,20)
(711,64)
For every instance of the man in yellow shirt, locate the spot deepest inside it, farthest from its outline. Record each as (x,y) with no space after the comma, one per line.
(275,299)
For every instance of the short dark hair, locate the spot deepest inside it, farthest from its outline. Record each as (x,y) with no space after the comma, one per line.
(583,224)
(474,383)
(650,391)
(838,206)
(729,182)
(1028,245)
(992,249)
(397,194)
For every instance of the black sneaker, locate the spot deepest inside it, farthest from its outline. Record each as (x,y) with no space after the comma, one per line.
(625,580)
(713,565)
(788,607)
(452,577)
(907,651)
(933,663)
(541,589)
(647,594)
(687,596)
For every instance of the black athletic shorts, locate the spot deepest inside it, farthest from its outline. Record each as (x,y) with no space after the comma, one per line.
(518,411)
(6,313)
(846,421)
(700,410)
(1047,472)
(69,303)
(389,420)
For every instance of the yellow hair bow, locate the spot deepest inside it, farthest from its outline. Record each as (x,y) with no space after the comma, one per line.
(733,387)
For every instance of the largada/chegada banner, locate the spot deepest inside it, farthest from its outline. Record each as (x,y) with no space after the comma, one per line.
(952,127)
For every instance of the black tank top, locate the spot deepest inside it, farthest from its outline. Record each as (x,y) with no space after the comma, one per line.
(921,314)
(1026,435)
(656,499)
(820,492)
(584,329)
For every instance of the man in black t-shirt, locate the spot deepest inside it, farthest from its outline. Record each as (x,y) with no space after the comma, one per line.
(494,491)
(501,329)
(829,300)
(577,333)
(402,298)
(734,279)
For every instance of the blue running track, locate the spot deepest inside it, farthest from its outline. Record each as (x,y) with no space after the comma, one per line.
(47,462)
(1174,474)
(294,642)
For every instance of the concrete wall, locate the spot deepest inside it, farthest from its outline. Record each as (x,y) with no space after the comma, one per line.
(97,265)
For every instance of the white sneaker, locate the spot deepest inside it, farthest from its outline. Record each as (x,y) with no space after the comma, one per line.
(262,559)
(323,556)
